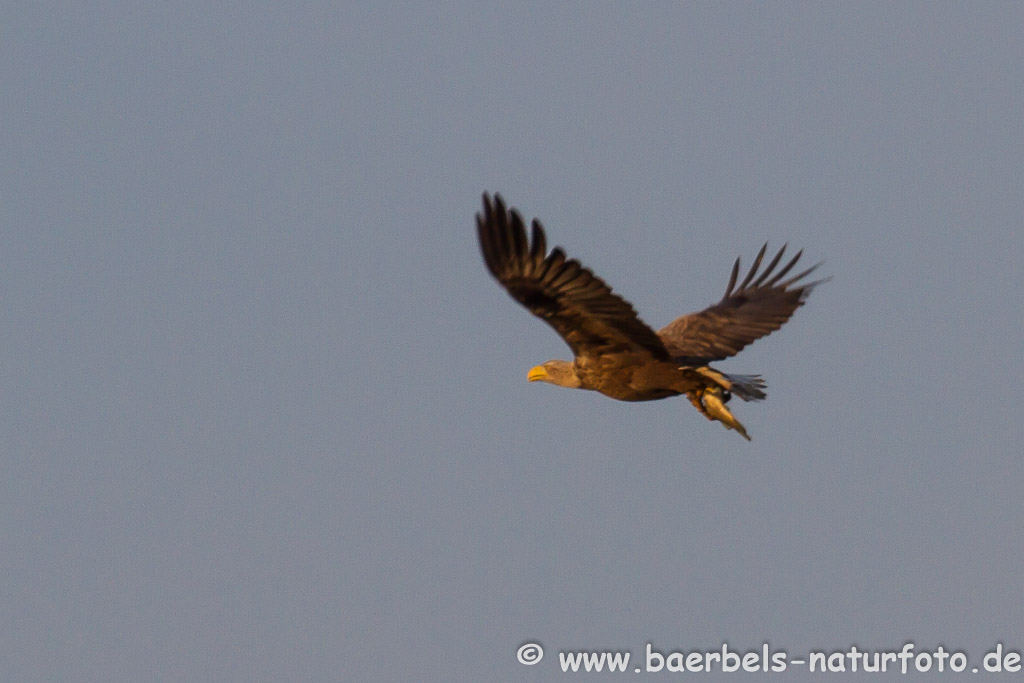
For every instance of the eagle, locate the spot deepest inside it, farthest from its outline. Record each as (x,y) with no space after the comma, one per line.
(615,352)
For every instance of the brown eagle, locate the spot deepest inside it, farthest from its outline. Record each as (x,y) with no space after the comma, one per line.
(615,352)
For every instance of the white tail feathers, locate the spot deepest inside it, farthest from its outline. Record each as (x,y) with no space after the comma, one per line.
(747,387)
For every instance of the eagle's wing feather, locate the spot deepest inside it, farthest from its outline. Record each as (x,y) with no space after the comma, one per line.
(579,305)
(759,306)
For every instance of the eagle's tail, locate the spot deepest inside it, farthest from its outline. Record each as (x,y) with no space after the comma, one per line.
(747,387)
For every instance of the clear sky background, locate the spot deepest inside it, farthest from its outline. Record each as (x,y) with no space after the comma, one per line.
(264,414)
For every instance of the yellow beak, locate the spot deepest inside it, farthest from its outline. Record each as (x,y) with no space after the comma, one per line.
(536,373)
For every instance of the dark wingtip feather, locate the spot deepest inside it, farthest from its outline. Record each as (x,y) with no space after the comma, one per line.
(807,287)
(517,238)
(770,267)
(800,276)
(788,267)
(538,245)
(753,268)
(732,278)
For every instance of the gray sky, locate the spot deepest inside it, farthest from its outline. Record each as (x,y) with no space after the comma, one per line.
(265,414)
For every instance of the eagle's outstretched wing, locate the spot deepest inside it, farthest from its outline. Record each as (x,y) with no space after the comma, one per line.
(578,304)
(754,309)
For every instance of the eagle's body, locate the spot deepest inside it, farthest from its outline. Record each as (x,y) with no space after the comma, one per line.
(615,353)
(634,377)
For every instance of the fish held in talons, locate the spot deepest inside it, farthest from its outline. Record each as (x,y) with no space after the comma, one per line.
(713,401)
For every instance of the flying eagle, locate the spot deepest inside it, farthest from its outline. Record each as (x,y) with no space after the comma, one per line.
(617,354)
